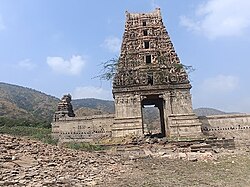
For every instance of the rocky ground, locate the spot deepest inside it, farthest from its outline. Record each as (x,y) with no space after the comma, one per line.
(26,162)
(31,163)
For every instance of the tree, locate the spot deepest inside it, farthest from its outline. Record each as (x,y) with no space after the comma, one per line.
(108,70)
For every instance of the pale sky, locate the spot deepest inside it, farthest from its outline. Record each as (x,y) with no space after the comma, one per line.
(56,47)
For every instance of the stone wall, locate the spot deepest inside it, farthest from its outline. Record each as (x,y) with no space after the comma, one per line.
(85,129)
(235,126)
(91,128)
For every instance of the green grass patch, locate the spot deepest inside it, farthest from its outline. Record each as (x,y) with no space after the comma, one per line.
(84,146)
(41,134)
(10,122)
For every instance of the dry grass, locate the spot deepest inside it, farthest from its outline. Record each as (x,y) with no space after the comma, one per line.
(227,171)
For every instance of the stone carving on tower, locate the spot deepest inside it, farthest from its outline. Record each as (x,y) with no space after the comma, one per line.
(150,72)
(147,54)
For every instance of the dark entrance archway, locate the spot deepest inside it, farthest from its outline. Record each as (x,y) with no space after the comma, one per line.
(154,101)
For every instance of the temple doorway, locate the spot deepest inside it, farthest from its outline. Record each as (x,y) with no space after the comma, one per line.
(153,123)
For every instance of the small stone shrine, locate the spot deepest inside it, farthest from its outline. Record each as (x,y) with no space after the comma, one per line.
(150,73)
(64,108)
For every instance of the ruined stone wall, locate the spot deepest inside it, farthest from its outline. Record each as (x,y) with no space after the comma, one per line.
(86,128)
(90,128)
(235,126)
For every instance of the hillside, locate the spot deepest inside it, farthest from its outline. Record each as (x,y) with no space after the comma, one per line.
(208,112)
(20,102)
(106,106)
(84,111)
(102,105)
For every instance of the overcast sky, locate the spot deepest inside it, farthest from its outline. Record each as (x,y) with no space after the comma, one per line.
(57,46)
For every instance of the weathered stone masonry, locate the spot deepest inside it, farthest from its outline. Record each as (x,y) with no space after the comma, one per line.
(229,126)
(149,72)
(86,129)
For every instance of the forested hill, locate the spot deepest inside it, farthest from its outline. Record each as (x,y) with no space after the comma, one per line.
(20,102)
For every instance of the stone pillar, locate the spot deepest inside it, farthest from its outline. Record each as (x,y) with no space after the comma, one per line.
(182,120)
(167,108)
(128,115)
(160,107)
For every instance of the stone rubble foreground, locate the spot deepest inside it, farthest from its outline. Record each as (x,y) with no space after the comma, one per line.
(25,162)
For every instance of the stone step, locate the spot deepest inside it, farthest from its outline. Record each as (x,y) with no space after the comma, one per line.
(184,118)
(201,147)
(185,121)
(176,125)
(223,143)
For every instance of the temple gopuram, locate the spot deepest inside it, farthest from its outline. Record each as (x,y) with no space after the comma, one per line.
(150,73)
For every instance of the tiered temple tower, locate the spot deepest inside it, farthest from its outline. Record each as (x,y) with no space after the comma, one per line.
(149,72)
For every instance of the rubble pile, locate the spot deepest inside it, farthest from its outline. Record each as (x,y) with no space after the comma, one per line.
(25,162)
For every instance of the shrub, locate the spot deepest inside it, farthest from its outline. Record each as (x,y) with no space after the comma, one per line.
(5,121)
